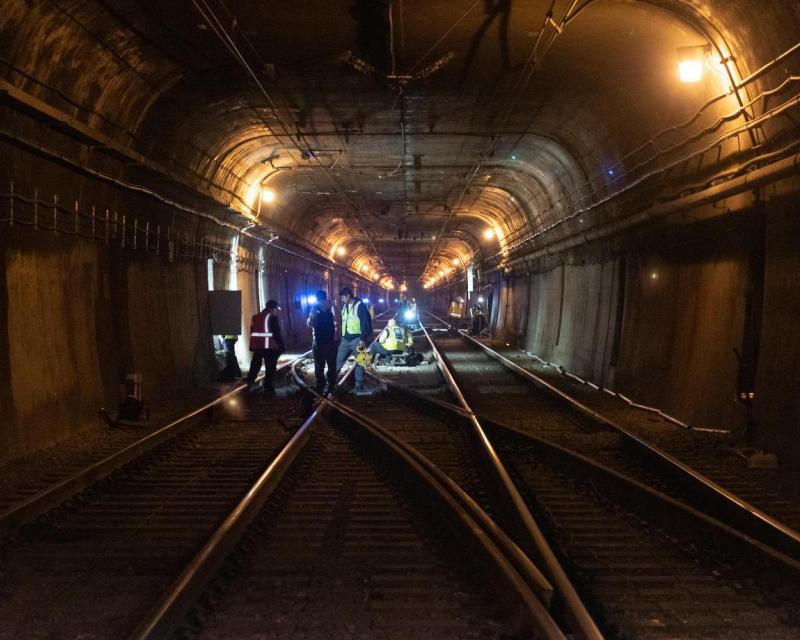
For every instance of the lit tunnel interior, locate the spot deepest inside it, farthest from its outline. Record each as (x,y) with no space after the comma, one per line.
(631,226)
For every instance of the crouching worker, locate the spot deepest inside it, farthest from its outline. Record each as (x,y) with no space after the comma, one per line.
(321,321)
(392,340)
(356,333)
(266,343)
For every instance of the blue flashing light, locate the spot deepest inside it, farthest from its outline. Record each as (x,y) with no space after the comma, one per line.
(303,300)
(409,314)
(366,300)
(396,300)
(611,172)
(380,300)
(312,299)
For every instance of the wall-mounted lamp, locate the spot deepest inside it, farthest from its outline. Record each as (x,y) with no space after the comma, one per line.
(691,62)
(267,195)
(488,234)
(340,251)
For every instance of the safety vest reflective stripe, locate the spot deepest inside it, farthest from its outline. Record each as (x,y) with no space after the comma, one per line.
(260,337)
(351,325)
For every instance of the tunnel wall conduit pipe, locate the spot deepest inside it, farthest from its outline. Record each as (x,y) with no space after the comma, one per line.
(13,197)
(689,14)
(794,101)
(84,133)
(752,180)
(709,129)
(28,103)
(515,243)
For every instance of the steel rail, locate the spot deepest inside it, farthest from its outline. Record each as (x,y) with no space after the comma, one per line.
(629,488)
(531,538)
(184,591)
(59,492)
(515,567)
(724,504)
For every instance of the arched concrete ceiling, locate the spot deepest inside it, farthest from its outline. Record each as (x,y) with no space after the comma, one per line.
(393,133)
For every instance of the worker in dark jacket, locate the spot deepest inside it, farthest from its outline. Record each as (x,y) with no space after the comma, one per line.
(356,333)
(266,343)
(322,323)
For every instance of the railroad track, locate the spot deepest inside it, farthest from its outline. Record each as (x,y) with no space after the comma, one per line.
(499,389)
(351,548)
(639,576)
(96,563)
(131,553)
(362,505)
(358,542)
(773,491)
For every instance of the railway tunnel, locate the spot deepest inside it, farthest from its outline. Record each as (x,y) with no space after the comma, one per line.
(613,182)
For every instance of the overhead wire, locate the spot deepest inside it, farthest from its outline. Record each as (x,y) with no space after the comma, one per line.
(794,101)
(219,29)
(522,82)
(751,122)
(711,128)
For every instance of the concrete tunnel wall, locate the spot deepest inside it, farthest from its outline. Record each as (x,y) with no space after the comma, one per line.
(77,313)
(664,319)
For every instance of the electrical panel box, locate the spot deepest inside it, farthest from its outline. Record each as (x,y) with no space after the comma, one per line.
(225,309)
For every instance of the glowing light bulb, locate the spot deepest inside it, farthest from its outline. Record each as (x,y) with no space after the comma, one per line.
(488,234)
(267,195)
(691,61)
(690,71)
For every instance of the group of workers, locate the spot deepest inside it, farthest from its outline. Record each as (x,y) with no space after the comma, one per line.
(476,320)
(266,341)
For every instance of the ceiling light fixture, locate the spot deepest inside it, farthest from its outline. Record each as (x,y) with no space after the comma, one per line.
(691,61)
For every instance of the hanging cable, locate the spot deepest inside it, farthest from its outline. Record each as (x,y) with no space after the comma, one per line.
(215,24)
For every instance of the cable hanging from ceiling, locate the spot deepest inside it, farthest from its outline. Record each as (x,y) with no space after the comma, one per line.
(521,84)
(219,29)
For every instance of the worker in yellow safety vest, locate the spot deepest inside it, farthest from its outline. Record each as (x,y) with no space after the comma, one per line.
(393,339)
(456,308)
(356,333)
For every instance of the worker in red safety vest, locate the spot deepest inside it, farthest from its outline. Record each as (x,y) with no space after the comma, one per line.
(266,343)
